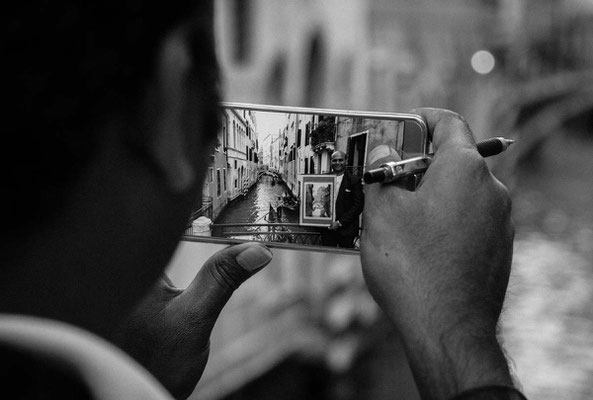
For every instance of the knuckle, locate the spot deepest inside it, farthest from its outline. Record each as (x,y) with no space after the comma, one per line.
(476,163)
(502,195)
(453,118)
(472,165)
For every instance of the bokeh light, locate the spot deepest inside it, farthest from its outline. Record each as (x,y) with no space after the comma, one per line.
(483,62)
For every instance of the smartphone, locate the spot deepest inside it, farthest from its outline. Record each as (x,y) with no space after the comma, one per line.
(271,176)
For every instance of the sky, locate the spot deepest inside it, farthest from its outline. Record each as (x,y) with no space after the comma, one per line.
(268,124)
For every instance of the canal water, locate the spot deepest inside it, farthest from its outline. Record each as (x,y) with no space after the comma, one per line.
(547,325)
(255,206)
(269,201)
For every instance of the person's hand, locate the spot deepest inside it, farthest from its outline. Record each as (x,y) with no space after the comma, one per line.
(334,226)
(169,332)
(437,260)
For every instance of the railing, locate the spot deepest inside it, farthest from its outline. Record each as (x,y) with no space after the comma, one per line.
(323,145)
(283,233)
(205,210)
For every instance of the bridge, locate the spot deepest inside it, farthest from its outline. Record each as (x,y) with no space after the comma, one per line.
(261,171)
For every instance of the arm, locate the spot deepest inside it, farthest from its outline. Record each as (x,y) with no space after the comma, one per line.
(437,261)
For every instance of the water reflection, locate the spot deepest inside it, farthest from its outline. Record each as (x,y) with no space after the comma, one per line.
(548,329)
(267,212)
(254,207)
(548,324)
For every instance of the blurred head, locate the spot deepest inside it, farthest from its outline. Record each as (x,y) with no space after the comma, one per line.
(113,111)
(72,68)
(338,162)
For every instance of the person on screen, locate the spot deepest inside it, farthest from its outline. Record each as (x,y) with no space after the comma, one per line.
(348,204)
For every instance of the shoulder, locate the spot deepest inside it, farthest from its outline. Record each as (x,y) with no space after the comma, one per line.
(35,376)
(60,359)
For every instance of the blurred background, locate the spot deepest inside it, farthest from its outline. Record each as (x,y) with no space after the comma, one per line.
(522,69)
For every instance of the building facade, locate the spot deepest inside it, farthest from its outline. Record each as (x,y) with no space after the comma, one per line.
(235,162)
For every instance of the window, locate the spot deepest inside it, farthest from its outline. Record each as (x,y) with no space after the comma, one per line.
(224,179)
(222,140)
(211,174)
(218,182)
(356,150)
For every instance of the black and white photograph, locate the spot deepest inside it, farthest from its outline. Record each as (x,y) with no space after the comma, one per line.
(296,199)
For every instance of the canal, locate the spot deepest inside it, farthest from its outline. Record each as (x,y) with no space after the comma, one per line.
(255,206)
(271,212)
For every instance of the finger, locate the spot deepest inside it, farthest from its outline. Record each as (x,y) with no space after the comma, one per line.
(456,155)
(449,129)
(451,138)
(385,210)
(382,154)
(167,281)
(220,275)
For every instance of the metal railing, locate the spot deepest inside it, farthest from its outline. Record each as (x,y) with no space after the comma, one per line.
(282,233)
(205,210)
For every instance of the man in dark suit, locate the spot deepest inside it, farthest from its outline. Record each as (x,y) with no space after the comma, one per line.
(349,201)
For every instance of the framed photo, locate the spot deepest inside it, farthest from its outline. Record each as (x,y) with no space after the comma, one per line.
(317,200)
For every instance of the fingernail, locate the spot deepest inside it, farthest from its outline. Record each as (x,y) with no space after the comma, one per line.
(254,257)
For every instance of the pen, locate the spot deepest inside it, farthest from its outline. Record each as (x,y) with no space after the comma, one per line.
(493,146)
(390,173)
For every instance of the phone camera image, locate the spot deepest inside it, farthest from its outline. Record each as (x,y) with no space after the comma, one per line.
(295,176)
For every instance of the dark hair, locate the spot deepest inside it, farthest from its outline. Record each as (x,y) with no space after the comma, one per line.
(70,65)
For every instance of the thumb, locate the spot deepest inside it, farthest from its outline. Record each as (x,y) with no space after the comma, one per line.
(220,275)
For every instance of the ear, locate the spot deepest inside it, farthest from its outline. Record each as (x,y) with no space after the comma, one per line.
(167,144)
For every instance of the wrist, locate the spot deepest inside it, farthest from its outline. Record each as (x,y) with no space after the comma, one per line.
(451,363)
(491,392)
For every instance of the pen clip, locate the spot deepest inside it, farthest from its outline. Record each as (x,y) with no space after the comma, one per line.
(409,171)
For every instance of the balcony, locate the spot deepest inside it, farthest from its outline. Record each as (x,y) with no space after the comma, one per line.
(324,146)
